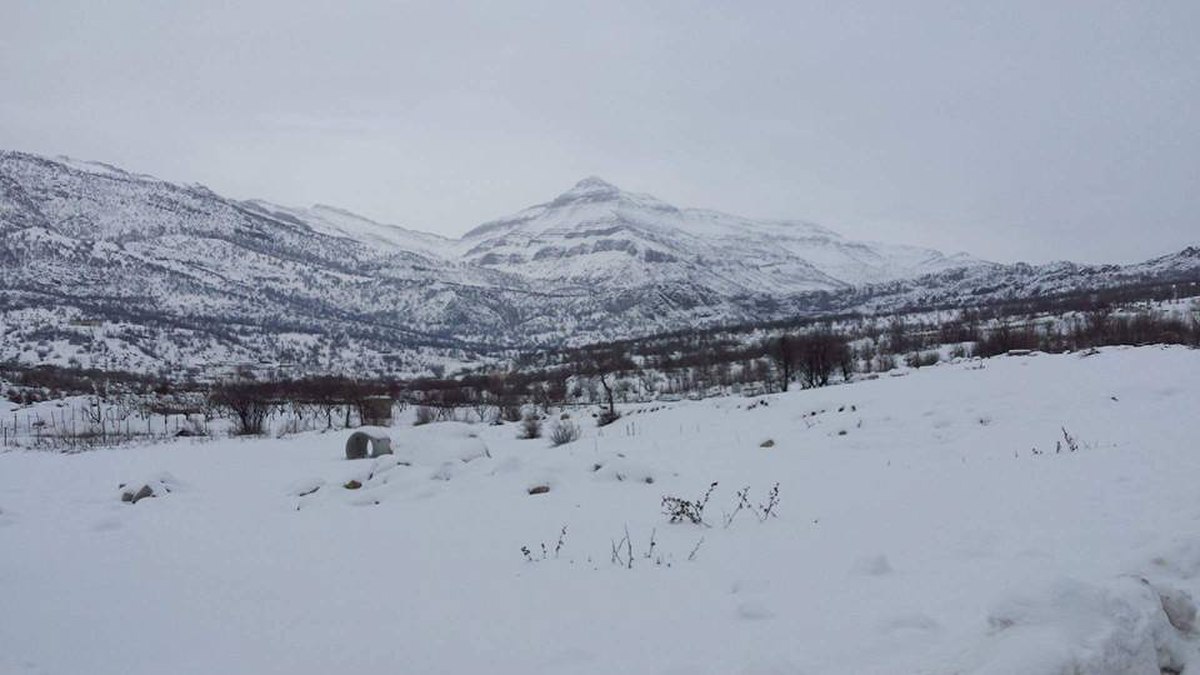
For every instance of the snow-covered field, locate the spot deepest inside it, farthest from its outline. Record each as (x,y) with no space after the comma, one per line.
(918,532)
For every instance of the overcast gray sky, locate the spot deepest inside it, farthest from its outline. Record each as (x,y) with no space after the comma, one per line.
(1012,130)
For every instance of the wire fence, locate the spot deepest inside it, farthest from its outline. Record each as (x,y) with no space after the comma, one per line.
(76,425)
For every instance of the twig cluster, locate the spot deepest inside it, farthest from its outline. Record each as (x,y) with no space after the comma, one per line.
(679,510)
(622,551)
(762,511)
(1068,443)
(623,554)
(1072,444)
(546,552)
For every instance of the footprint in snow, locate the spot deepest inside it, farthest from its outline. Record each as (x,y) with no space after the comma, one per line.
(754,611)
(873,566)
(107,525)
(909,622)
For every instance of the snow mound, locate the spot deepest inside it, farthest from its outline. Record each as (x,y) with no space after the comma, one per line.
(157,486)
(435,444)
(625,470)
(1073,627)
(1182,561)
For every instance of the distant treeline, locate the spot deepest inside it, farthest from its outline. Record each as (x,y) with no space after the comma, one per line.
(808,352)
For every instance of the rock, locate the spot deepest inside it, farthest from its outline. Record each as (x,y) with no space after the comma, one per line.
(134,497)
(1179,608)
(303,488)
(769,443)
(539,489)
(352,485)
(133,492)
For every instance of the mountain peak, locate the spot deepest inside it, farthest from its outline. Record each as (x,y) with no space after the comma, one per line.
(594,183)
(590,188)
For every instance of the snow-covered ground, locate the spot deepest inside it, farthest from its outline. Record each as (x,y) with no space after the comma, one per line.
(918,532)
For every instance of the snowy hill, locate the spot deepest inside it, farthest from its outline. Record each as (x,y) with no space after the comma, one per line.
(925,524)
(109,269)
(110,246)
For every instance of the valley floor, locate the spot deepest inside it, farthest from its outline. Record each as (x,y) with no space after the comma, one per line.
(918,531)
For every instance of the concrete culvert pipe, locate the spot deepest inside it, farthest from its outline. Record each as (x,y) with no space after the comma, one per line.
(359,442)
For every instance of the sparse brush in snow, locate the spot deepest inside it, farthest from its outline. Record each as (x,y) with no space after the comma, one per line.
(563,432)
(531,426)
(679,510)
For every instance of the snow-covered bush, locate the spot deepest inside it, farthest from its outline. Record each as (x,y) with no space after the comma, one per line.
(531,426)
(563,432)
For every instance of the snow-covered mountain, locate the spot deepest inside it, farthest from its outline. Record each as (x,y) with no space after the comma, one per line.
(177,274)
(599,235)
(183,265)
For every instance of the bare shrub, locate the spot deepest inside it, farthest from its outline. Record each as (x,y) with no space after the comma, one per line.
(922,359)
(531,426)
(679,510)
(763,511)
(1006,338)
(563,432)
(250,403)
(607,417)
(546,551)
(425,415)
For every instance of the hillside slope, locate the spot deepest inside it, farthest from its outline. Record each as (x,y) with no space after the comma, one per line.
(917,530)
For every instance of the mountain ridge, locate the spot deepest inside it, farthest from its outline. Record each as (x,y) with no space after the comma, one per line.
(179,275)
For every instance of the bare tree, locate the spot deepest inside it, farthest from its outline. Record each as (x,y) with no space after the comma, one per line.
(818,354)
(609,415)
(783,352)
(249,402)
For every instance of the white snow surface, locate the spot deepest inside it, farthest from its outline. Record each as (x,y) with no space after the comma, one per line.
(917,532)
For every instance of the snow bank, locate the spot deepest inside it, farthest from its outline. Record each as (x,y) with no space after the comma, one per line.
(1073,627)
